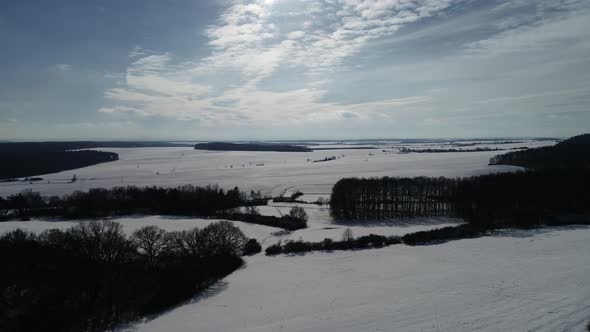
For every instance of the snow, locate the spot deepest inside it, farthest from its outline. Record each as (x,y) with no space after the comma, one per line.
(533,280)
(517,281)
(283,172)
(321,225)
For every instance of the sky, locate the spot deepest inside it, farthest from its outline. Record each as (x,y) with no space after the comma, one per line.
(293,69)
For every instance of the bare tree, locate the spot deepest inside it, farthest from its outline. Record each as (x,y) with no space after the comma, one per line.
(347,235)
(224,238)
(298,212)
(151,242)
(252,210)
(101,241)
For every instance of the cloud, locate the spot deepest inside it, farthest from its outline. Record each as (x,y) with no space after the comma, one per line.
(121,109)
(248,45)
(296,34)
(63,67)
(489,56)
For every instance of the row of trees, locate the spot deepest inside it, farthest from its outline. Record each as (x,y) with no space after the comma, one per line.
(348,242)
(93,277)
(494,200)
(187,200)
(184,200)
(393,197)
(224,146)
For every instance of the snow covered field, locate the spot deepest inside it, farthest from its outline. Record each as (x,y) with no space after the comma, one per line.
(518,281)
(279,172)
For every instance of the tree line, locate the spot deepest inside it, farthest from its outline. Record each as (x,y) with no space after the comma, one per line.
(348,242)
(570,153)
(20,159)
(376,198)
(225,146)
(496,200)
(187,200)
(17,164)
(92,277)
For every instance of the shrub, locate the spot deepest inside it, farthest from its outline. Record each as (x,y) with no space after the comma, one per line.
(393,239)
(442,234)
(252,247)
(274,249)
(296,195)
(371,240)
(252,210)
(18,237)
(328,244)
(299,213)
(301,246)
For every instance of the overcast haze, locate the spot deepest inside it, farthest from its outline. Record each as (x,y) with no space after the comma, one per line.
(290,69)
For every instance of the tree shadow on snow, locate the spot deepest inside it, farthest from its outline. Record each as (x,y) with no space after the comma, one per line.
(545,230)
(398,222)
(210,291)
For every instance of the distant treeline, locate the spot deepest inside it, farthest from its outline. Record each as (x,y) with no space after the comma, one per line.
(346,148)
(76,145)
(92,277)
(495,200)
(25,159)
(15,164)
(406,150)
(223,146)
(187,200)
(571,153)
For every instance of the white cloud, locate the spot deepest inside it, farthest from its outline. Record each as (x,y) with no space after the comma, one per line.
(63,67)
(248,46)
(254,42)
(296,34)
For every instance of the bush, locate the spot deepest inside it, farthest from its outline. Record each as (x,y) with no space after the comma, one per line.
(393,239)
(328,244)
(301,246)
(296,195)
(442,234)
(252,247)
(298,213)
(371,240)
(274,249)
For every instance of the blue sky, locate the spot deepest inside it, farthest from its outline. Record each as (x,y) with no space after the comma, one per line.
(290,69)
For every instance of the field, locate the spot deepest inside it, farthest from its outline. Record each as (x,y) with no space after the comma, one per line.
(271,172)
(515,280)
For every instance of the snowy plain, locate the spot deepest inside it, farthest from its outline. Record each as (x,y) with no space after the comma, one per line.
(278,173)
(532,280)
(516,281)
